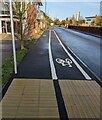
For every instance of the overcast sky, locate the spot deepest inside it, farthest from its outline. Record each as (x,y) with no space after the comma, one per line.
(62,10)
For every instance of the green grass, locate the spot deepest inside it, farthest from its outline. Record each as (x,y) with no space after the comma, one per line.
(7,67)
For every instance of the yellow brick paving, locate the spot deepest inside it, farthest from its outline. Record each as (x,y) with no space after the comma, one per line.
(82,98)
(30,99)
(27,98)
(5,36)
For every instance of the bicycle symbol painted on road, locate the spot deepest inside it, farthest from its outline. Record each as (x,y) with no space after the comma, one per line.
(65,62)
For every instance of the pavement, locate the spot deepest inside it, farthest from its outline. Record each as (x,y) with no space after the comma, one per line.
(6,46)
(52,84)
(34,99)
(5,36)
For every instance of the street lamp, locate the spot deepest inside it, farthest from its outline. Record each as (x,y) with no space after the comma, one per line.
(45,16)
(13,38)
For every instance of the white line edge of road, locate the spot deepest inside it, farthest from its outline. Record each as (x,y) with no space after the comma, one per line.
(84,64)
(53,70)
(75,62)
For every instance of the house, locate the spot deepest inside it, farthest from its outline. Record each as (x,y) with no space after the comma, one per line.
(5,24)
(31,16)
(89,20)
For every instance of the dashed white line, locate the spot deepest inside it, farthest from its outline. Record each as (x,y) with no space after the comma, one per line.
(75,62)
(53,70)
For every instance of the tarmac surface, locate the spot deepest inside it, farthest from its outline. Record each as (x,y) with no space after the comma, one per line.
(36,63)
(87,47)
(49,54)
(52,84)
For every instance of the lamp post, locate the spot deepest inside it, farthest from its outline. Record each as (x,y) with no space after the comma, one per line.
(13,38)
(45,16)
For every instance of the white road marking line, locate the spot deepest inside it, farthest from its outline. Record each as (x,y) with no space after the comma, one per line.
(75,62)
(84,64)
(44,35)
(53,70)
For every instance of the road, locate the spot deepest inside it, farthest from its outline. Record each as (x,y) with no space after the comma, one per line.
(88,48)
(50,58)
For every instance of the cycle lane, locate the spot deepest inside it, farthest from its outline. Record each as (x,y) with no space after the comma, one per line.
(35,64)
(64,64)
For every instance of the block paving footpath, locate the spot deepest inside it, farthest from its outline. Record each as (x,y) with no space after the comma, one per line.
(37,99)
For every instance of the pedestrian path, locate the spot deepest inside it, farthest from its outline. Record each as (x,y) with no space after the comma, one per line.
(6,37)
(30,99)
(82,98)
(35,98)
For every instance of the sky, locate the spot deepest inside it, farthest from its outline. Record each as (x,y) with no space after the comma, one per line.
(62,10)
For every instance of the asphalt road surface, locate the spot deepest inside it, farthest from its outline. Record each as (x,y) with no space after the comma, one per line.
(87,48)
(50,58)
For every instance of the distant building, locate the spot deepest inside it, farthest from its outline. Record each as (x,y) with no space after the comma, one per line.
(89,20)
(77,16)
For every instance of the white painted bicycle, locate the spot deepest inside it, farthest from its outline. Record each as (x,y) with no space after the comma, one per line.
(65,62)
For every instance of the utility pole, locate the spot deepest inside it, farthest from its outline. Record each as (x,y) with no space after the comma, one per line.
(45,6)
(13,38)
(45,14)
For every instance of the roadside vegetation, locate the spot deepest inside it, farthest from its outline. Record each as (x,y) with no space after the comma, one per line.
(72,21)
(7,66)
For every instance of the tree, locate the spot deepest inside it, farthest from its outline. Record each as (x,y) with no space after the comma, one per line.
(25,22)
(98,21)
(20,10)
(93,22)
(73,20)
(63,22)
(47,19)
(50,20)
(81,21)
(70,22)
(66,21)
(56,21)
